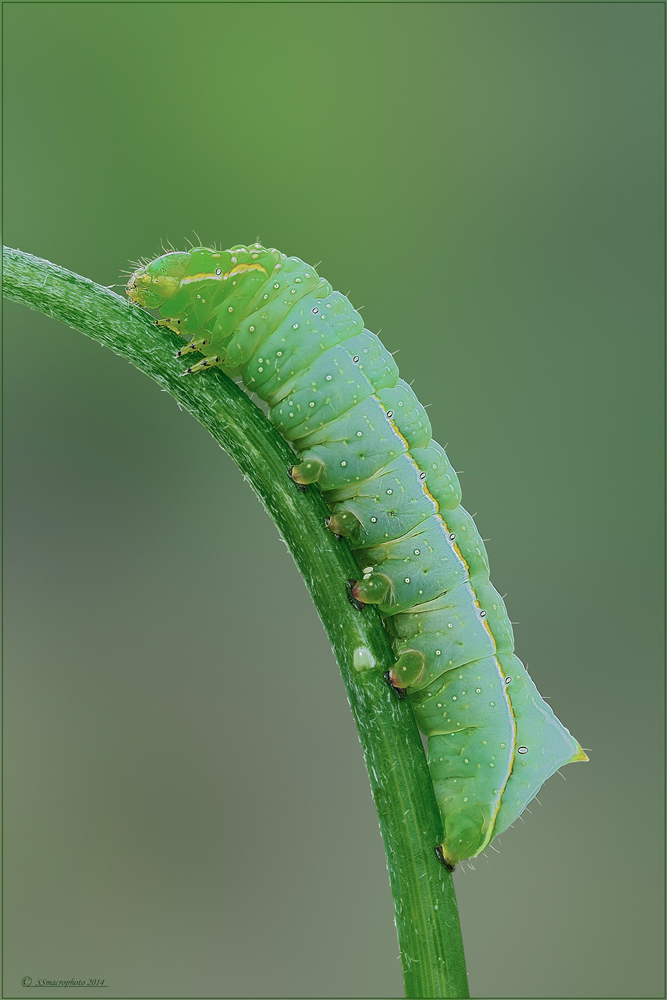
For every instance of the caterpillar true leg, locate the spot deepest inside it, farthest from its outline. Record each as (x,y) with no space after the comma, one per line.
(170,324)
(212,361)
(194,345)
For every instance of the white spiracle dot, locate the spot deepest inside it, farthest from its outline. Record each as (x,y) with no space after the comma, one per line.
(438,652)
(452,537)
(482,614)
(508,680)
(218,270)
(359,434)
(390,413)
(231,309)
(417,551)
(252,329)
(522,750)
(315,310)
(355,358)
(343,464)
(311,404)
(478,690)
(492,704)
(276,285)
(454,698)
(279,354)
(297,280)
(373,520)
(422,475)
(407,579)
(390,492)
(295,326)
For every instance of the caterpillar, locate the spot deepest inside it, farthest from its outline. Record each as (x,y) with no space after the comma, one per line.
(359,432)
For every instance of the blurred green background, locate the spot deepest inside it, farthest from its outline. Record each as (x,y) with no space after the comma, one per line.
(186,809)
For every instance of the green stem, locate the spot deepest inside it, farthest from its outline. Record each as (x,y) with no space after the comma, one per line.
(425,905)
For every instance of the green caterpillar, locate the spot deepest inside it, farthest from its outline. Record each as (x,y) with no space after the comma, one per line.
(361,434)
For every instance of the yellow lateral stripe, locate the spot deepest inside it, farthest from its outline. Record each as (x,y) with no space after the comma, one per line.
(492,824)
(219,276)
(240,268)
(203,276)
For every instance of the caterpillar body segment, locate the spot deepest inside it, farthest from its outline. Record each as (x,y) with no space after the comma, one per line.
(361,435)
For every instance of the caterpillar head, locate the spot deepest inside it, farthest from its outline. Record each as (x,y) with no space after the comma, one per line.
(158,281)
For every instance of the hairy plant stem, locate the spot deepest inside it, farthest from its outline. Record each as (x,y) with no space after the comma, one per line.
(427,919)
